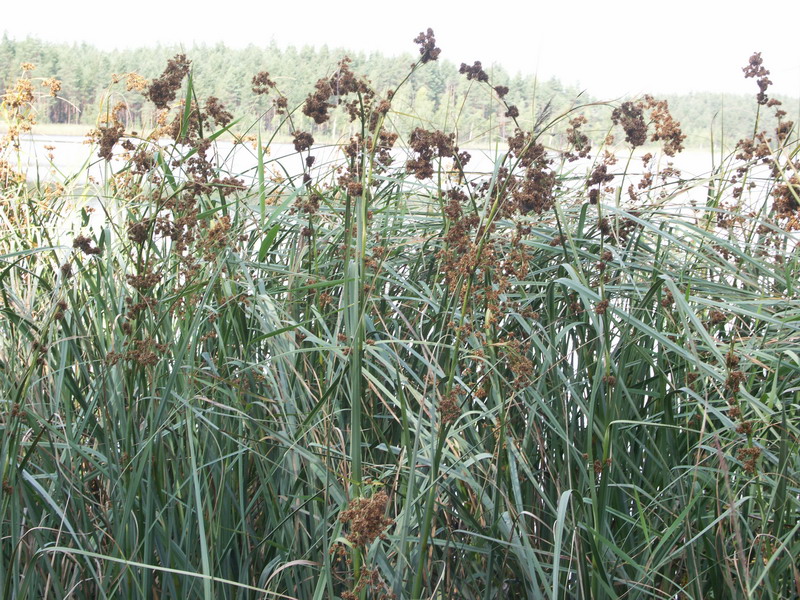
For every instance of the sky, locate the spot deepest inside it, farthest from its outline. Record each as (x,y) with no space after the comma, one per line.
(609,48)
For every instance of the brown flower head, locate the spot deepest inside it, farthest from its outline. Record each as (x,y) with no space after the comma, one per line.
(427,46)
(302,140)
(578,141)
(366,518)
(54,85)
(281,103)
(316,105)
(449,408)
(329,92)
(216,110)
(667,129)
(428,145)
(108,134)
(474,72)
(630,117)
(261,83)
(163,89)
(135,82)
(84,244)
(734,381)
(534,190)
(755,68)
(599,176)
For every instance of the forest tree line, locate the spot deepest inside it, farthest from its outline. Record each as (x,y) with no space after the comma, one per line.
(436,97)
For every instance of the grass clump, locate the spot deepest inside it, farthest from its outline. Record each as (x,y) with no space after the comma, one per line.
(393,376)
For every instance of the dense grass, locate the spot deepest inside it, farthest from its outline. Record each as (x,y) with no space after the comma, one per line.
(365,383)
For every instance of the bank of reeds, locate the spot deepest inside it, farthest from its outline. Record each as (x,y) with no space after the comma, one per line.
(400,378)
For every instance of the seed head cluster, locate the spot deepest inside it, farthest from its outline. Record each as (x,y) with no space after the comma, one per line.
(475,71)
(755,69)
(163,89)
(367,519)
(427,46)
(428,145)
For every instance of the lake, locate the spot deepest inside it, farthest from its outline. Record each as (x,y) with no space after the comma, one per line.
(71,156)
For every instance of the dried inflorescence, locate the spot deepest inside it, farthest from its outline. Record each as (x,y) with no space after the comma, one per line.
(458,256)
(366,518)
(449,408)
(146,353)
(378,113)
(54,85)
(135,82)
(748,457)
(84,244)
(579,143)
(339,85)
(631,117)
(186,127)
(109,133)
(139,231)
(163,89)
(787,201)
(516,354)
(667,129)
(216,111)
(599,466)
(20,116)
(316,105)
(429,145)
(216,238)
(734,380)
(228,185)
(302,140)
(308,204)
(534,191)
(755,69)
(427,43)
(786,192)
(599,177)
(371,580)
(383,147)
(475,72)
(749,149)
(144,281)
(262,84)
(19,95)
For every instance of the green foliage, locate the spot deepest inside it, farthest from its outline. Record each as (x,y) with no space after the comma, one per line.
(372,381)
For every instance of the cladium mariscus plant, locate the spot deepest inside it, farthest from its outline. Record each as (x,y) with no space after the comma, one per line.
(389,373)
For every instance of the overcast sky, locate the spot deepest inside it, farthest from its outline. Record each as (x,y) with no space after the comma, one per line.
(610,48)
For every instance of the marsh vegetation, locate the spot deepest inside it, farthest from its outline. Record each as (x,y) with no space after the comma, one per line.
(398,378)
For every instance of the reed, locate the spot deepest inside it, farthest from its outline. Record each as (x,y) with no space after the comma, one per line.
(398,378)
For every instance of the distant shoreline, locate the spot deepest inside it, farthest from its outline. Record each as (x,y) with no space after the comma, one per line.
(66,129)
(81,131)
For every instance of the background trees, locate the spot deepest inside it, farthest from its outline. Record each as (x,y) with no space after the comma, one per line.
(437,96)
